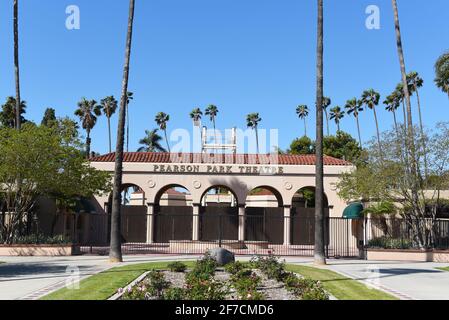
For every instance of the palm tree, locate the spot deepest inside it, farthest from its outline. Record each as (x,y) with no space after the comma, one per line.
(303,111)
(16,64)
(162,120)
(319,252)
(196,115)
(252,121)
(392,103)
(354,107)
(129,97)
(109,106)
(88,111)
(371,99)
(410,144)
(151,142)
(415,82)
(326,103)
(115,252)
(212,112)
(442,72)
(337,114)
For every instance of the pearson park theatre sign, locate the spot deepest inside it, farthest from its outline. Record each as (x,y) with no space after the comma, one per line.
(219,169)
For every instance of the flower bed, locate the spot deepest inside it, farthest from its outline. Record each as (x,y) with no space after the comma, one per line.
(261,279)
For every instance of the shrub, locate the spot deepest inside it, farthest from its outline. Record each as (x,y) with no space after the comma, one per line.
(206,265)
(390,243)
(270,266)
(156,283)
(40,239)
(175,294)
(246,282)
(305,289)
(234,267)
(177,267)
(197,289)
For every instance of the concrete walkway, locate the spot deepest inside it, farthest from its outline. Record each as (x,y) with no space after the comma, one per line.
(33,277)
(409,280)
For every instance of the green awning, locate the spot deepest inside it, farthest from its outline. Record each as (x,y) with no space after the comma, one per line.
(353,211)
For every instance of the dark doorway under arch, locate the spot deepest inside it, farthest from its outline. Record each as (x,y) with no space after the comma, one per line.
(264,215)
(173,214)
(219,214)
(303,217)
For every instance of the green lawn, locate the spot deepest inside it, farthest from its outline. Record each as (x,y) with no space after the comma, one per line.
(444,269)
(339,286)
(103,285)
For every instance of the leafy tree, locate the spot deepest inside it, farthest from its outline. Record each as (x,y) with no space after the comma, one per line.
(88,111)
(8,113)
(109,106)
(252,121)
(161,120)
(151,142)
(49,117)
(387,179)
(442,72)
(303,145)
(342,146)
(337,114)
(48,165)
(303,112)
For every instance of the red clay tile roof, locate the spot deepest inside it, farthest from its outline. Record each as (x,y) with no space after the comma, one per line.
(161,157)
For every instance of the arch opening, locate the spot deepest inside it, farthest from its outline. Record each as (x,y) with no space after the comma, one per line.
(264,215)
(173,214)
(303,217)
(219,214)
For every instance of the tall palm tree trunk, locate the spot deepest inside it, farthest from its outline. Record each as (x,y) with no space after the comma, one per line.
(410,134)
(319,250)
(358,130)
(396,123)
(115,252)
(109,131)
(257,140)
(88,142)
(423,137)
(127,127)
(16,63)
(166,140)
(305,128)
(327,122)
(378,132)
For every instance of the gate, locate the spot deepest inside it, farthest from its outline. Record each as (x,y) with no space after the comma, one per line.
(219,223)
(265,224)
(173,223)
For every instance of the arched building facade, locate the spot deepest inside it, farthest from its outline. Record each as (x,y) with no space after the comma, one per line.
(257,198)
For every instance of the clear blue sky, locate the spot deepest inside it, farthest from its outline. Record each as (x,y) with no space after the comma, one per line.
(243,56)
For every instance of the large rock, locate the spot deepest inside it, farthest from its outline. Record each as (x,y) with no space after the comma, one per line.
(222,256)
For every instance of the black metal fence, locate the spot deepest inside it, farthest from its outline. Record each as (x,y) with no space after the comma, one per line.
(262,234)
(391,233)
